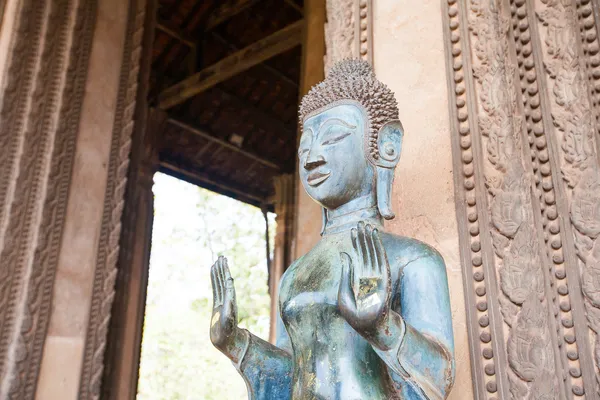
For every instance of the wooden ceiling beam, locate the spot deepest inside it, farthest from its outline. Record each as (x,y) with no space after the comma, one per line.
(203,181)
(254,54)
(207,136)
(175,33)
(266,67)
(227,10)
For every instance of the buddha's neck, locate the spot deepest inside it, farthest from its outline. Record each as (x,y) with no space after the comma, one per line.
(350,214)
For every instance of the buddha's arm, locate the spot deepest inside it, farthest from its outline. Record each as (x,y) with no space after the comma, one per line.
(418,343)
(266,368)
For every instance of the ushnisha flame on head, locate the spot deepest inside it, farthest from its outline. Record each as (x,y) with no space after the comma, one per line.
(353,79)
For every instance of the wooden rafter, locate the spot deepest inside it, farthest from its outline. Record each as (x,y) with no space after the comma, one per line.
(207,136)
(266,67)
(227,10)
(175,32)
(201,180)
(254,54)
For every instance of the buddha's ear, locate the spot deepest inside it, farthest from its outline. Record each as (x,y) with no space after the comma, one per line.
(389,144)
(389,147)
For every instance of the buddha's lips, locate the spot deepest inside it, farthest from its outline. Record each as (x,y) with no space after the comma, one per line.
(316,178)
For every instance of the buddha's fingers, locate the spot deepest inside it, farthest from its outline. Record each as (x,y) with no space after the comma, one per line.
(378,251)
(357,249)
(383,262)
(220,280)
(215,286)
(374,269)
(346,297)
(229,287)
(364,249)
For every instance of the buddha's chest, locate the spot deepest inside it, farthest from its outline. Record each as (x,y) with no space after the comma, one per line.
(312,285)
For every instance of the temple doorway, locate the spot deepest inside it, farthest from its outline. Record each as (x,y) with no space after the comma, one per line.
(224,82)
(192,227)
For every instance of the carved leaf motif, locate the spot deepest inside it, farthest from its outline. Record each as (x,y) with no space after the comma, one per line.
(593,316)
(570,175)
(518,389)
(485,125)
(577,140)
(585,207)
(583,245)
(521,275)
(493,184)
(500,243)
(509,310)
(565,90)
(529,347)
(507,214)
(591,284)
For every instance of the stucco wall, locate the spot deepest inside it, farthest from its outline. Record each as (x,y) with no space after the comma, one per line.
(409,57)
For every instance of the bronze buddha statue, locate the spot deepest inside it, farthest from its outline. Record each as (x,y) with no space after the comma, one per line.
(365,314)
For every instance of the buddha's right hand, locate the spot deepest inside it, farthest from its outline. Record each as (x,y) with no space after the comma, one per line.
(224,331)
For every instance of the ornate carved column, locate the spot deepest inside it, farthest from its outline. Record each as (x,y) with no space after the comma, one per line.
(524,104)
(44,75)
(349,30)
(69,71)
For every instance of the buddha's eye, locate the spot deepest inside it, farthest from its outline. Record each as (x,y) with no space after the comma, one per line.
(305,142)
(333,136)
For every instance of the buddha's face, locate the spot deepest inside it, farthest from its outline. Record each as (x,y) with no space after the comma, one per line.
(333,165)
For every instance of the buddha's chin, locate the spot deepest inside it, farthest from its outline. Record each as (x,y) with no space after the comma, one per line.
(324,199)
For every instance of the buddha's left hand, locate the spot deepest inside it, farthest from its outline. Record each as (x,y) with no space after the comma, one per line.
(365,287)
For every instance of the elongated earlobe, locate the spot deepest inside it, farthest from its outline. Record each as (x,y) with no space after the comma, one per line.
(385,180)
(323,219)
(389,147)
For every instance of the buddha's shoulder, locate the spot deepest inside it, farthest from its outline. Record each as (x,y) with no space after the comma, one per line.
(402,250)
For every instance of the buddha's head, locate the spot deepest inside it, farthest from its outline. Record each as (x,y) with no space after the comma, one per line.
(351,138)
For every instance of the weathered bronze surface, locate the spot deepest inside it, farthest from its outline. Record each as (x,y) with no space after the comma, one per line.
(365,314)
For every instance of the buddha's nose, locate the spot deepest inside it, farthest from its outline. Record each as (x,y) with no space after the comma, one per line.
(313,161)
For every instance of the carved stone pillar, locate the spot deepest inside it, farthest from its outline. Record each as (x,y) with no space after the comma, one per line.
(524,102)
(68,71)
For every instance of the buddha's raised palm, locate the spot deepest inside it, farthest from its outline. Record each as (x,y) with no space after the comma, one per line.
(223,324)
(365,286)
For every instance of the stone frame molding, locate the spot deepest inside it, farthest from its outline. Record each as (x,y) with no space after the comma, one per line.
(524,104)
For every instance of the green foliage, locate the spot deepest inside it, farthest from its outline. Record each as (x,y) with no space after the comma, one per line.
(192,227)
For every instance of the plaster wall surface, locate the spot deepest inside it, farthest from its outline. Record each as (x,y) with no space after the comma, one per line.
(63,349)
(408,50)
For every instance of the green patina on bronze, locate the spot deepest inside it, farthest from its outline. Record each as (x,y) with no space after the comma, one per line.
(365,314)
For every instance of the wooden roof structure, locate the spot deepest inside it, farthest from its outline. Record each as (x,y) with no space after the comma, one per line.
(227,73)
